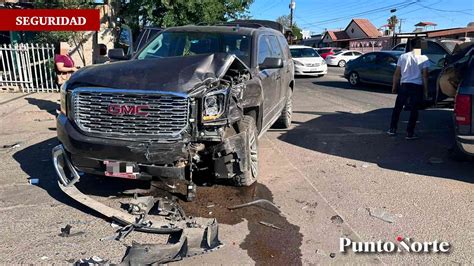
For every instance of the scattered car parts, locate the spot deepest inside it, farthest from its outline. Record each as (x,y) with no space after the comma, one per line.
(188,236)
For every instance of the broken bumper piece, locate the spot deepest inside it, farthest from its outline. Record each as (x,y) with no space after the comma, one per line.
(188,236)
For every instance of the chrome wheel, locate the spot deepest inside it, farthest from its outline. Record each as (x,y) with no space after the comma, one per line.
(354,78)
(342,63)
(253,154)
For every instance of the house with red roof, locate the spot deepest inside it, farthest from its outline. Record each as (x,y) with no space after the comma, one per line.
(360,34)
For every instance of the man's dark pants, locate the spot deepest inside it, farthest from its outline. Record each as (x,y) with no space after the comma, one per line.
(411,96)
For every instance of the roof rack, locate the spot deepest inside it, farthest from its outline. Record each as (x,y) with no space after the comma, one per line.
(255,23)
(242,24)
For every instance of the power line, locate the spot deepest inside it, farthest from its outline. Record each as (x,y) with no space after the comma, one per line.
(444,10)
(398,6)
(339,10)
(271,7)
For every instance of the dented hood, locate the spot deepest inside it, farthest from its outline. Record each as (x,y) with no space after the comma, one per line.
(173,74)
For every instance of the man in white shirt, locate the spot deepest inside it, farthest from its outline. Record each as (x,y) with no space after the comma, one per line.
(410,81)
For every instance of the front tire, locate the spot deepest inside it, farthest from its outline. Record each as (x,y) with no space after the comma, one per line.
(341,63)
(249,175)
(354,79)
(284,121)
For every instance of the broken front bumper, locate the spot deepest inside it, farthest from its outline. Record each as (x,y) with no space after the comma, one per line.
(87,153)
(188,236)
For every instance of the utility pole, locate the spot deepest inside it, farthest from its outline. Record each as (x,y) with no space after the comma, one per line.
(400,25)
(292,7)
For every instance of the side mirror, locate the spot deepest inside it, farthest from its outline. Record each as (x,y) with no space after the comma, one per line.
(102,49)
(271,62)
(117,54)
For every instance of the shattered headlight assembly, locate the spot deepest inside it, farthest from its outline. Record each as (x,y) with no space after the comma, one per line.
(63,93)
(213,105)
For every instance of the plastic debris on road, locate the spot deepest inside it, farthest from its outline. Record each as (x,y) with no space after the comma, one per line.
(33,181)
(270,225)
(382,215)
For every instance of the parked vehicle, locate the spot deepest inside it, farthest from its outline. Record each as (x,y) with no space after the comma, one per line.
(378,68)
(457,80)
(434,49)
(324,52)
(464,122)
(341,58)
(374,67)
(196,97)
(308,61)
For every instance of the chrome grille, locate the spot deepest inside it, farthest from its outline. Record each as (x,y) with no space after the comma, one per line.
(167,114)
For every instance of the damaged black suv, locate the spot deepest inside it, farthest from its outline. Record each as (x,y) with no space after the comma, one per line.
(194,98)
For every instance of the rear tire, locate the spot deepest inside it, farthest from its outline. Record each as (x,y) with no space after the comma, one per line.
(284,121)
(354,79)
(249,175)
(341,63)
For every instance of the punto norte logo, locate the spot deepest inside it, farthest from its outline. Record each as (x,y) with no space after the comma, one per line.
(402,245)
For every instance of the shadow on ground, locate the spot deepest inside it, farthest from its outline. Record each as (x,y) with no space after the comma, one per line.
(362,137)
(46,105)
(344,85)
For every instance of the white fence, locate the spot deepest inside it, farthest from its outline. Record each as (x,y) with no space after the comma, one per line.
(27,68)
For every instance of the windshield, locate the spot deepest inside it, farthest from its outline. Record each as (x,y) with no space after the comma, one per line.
(303,52)
(169,44)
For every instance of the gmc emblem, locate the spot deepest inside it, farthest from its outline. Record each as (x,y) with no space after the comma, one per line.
(120,109)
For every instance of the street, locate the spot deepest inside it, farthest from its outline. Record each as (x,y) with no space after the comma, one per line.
(330,175)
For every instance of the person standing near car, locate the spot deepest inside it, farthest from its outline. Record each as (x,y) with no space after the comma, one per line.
(410,81)
(64,65)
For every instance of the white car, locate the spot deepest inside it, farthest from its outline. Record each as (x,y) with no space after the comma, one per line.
(340,59)
(308,61)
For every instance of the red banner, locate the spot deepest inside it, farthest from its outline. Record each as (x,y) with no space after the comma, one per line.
(49,20)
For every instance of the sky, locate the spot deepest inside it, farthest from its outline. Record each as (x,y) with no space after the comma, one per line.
(318,15)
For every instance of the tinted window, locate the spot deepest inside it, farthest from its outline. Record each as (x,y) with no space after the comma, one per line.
(169,44)
(434,52)
(284,45)
(323,51)
(399,47)
(386,59)
(276,49)
(336,50)
(303,52)
(264,50)
(356,53)
(369,58)
(347,53)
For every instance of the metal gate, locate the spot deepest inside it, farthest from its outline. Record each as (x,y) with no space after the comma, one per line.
(27,68)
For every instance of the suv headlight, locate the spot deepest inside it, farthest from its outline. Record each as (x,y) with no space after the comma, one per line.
(213,105)
(63,93)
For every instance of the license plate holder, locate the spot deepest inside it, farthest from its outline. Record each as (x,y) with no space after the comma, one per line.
(119,169)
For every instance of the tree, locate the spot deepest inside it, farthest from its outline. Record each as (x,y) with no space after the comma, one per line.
(75,38)
(392,22)
(285,21)
(168,13)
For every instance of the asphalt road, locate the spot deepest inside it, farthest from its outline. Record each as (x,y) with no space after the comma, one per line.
(330,174)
